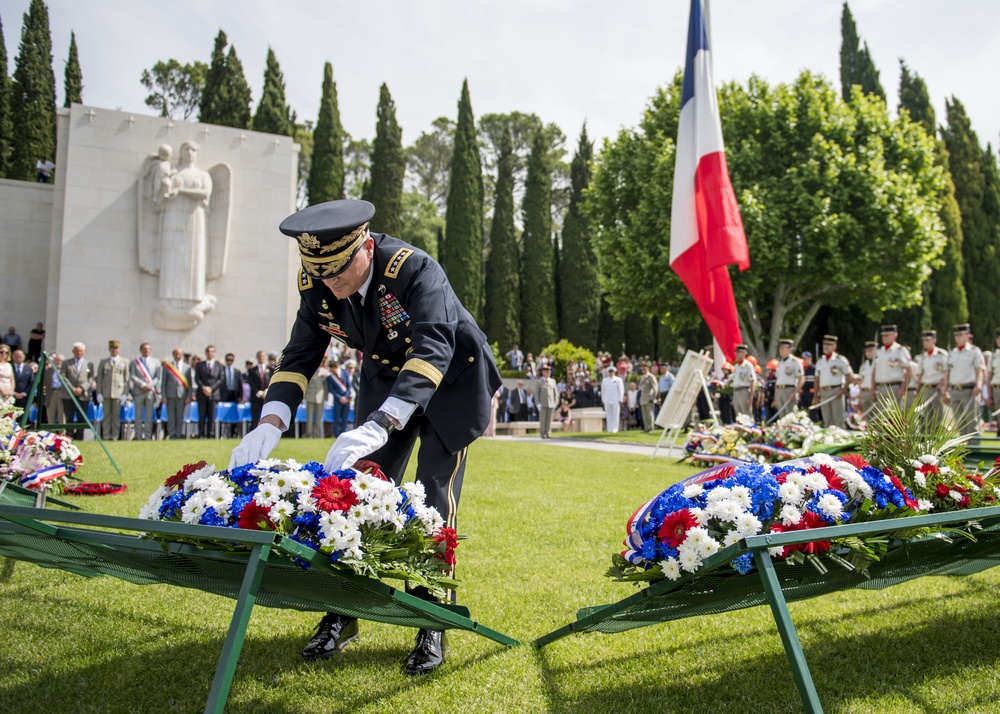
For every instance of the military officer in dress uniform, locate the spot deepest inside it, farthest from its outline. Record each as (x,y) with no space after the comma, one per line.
(790,379)
(744,382)
(932,377)
(965,377)
(427,371)
(891,371)
(993,395)
(112,385)
(833,374)
(864,377)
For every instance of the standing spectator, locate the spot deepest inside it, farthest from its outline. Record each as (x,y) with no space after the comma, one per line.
(258,378)
(232,390)
(647,396)
(146,376)
(630,415)
(502,395)
(517,403)
(112,385)
(78,375)
(176,391)
(23,376)
(211,379)
(612,396)
(315,397)
(666,381)
(808,386)
(338,383)
(624,366)
(6,373)
(54,391)
(12,339)
(35,340)
(516,358)
(566,404)
(43,170)
(530,368)
(546,397)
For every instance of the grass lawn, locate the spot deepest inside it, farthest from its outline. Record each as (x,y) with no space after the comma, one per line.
(633,436)
(541,525)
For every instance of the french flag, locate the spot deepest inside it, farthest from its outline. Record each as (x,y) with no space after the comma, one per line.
(706,232)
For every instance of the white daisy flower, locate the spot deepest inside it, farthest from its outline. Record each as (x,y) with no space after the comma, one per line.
(701,514)
(193,510)
(719,493)
(415,490)
(671,568)
(790,515)
(398,521)
(924,504)
(830,505)
(747,524)
(741,495)
(776,551)
(929,459)
(266,495)
(281,509)
(689,560)
(920,479)
(266,464)
(305,503)
(732,537)
(916,464)
(790,493)
(956,495)
(693,491)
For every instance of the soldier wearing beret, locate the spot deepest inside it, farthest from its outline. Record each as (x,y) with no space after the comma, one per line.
(427,371)
(932,376)
(891,371)
(790,379)
(833,374)
(965,376)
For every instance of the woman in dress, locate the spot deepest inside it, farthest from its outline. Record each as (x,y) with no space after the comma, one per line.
(6,373)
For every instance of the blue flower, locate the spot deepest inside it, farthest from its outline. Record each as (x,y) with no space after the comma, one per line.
(308,521)
(743,564)
(239,503)
(650,549)
(171,506)
(315,468)
(211,518)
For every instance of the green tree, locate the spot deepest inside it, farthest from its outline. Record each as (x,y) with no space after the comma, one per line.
(945,293)
(304,138)
(421,223)
(462,252)
(225,99)
(326,173)
(856,64)
(273,115)
(972,172)
(538,299)
(357,165)
(428,161)
(73,76)
(580,290)
(175,89)
(6,126)
(805,166)
(33,95)
(388,167)
(503,299)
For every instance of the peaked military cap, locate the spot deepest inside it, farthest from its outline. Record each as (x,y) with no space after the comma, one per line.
(870,343)
(113,344)
(786,342)
(929,333)
(961,328)
(888,329)
(329,234)
(742,347)
(830,338)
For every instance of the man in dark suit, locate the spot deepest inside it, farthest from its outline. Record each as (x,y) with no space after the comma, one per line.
(258,377)
(210,378)
(232,390)
(517,403)
(428,371)
(23,376)
(78,378)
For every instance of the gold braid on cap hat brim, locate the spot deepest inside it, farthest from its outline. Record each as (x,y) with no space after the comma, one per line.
(344,250)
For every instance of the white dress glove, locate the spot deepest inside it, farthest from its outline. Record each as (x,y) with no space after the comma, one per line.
(256,445)
(352,445)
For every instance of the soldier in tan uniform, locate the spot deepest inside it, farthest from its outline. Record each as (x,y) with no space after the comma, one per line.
(993,396)
(891,371)
(790,379)
(965,377)
(744,382)
(112,384)
(864,377)
(932,377)
(833,374)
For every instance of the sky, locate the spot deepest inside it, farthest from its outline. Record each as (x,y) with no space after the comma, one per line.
(567,61)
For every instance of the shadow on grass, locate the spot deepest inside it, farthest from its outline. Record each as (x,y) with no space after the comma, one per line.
(7,566)
(844,670)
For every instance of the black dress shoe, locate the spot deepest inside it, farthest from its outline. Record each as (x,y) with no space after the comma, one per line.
(427,654)
(333,634)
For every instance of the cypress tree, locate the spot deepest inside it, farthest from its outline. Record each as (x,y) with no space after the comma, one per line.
(6,127)
(856,64)
(33,95)
(945,294)
(326,173)
(463,231)
(273,115)
(580,294)
(212,95)
(385,187)
(236,110)
(503,300)
(73,77)
(973,174)
(538,300)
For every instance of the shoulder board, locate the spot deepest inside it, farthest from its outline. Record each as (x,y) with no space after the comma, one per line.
(396,262)
(305,280)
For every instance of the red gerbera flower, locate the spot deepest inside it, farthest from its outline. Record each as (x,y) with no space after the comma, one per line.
(809,520)
(369,467)
(855,460)
(449,538)
(334,494)
(253,517)
(832,478)
(674,529)
(181,476)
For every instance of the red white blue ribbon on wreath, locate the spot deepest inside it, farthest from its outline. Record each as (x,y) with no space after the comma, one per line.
(43,476)
(15,440)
